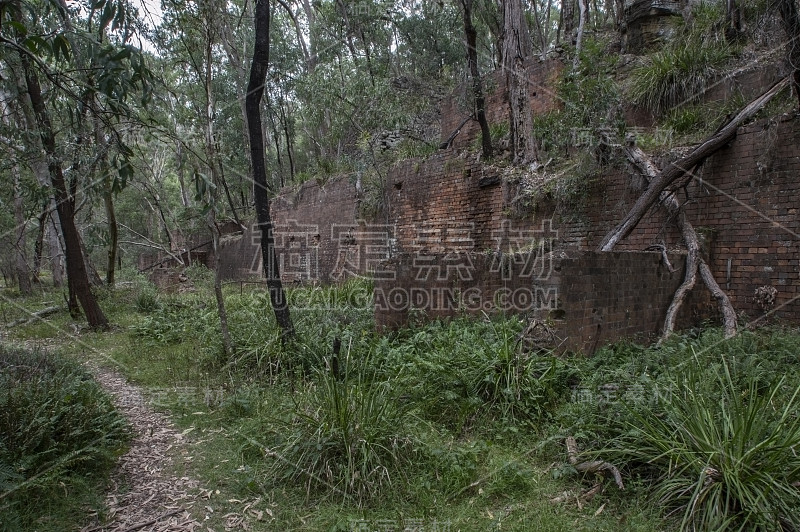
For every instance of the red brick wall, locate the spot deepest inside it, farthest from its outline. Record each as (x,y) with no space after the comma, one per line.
(319,236)
(742,202)
(588,298)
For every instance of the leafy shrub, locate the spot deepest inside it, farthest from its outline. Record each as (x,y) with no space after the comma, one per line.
(55,424)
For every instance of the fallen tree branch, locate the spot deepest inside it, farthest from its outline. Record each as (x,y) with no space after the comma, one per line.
(153,521)
(446,144)
(677,169)
(661,248)
(694,261)
(34,316)
(593,466)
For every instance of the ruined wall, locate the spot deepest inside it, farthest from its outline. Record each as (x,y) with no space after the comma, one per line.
(588,299)
(451,213)
(318,234)
(743,203)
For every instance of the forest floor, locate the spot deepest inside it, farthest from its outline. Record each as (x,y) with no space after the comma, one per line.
(144,494)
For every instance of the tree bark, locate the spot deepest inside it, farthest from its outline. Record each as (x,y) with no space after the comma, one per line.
(584,12)
(38,247)
(113,232)
(791,24)
(678,169)
(516,49)
(477,85)
(733,20)
(23,272)
(694,260)
(227,343)
(255,92)
(54,243)
(214,167)
(568,19)
(65,206)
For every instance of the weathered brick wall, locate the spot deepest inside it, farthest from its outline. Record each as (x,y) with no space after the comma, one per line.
(445,203)
(319,236)
(588,298)
(743,201)
(451,205)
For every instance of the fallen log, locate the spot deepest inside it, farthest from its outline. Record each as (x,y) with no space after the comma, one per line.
(593,466)
(34,316)
(694,260)
(679,168)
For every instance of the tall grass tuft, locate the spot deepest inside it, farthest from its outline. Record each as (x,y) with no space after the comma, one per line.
(346,438)
(724,450)
(677,75)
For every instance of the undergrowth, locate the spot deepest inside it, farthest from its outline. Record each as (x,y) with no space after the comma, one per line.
(453,421)
(680,72)
(59,437)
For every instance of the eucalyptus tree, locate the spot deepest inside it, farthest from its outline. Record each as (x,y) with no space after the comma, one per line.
(516,50)
(65,77)
(255,92)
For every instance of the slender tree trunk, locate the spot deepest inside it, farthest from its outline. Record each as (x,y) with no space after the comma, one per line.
(216,178)
(54,244)
(227,343)
(568,20)
(477,85)
(255,92)
(733,20)
(38,247)
(76,267)
(791,25)
(108,198)
(181,179)
(113,232)
(516,49)
(23,273)
(91,271)
(584,13)
(285,124)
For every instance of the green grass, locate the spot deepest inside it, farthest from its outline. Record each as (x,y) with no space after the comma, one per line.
(447,422)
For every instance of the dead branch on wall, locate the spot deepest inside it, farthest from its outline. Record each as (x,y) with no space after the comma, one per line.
(694,261)
(657,191)
(674,171)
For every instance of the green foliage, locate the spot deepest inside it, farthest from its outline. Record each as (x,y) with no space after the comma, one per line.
(146,296)
(461,371)
(347,436)
(723,451)
(679,73)
(56,426)
(702,422)
(591,101)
